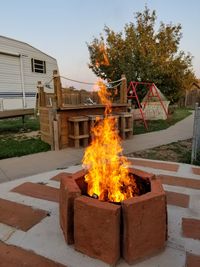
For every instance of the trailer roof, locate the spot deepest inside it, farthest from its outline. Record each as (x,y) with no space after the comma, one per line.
(26,44)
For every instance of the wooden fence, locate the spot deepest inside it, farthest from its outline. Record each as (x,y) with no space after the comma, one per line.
(192,97)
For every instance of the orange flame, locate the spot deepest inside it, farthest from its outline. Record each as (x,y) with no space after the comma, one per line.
(108,174)
(104,61)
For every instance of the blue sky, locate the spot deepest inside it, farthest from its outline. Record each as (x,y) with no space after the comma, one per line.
(61,28)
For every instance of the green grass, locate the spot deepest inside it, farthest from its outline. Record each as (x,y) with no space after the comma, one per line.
(16,125)
(11,147)
(178,115)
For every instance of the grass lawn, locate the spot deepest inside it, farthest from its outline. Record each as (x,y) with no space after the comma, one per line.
(16,138)
(8,126)
(178,114)
(16,147)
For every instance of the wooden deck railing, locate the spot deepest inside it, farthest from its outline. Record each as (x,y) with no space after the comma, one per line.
(62,97)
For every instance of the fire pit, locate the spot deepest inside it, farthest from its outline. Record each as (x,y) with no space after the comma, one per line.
(112,210)
(134,230)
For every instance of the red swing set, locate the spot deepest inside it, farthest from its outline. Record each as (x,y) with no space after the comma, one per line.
(152,92)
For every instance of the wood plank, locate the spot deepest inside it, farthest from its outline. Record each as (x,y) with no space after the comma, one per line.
(46,139)
(45,124)
(15,113)
(44,119)
(44,127)
(46,136)
(56,135)
(69,106)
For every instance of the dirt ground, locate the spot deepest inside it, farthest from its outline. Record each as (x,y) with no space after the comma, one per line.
(22,135)
(28,134)
(176,152)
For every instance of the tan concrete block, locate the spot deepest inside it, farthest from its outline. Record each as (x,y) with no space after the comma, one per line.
(180,181)
(192,260)
(69,190)
(178,199)
(191,228)
(97,229)
(145,224)
(196,170)
(38,191)
(157,165)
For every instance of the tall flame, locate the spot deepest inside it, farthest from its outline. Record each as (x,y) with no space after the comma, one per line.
(108,174)
(104,60)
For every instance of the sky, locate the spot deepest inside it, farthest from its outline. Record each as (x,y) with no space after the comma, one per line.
(62,28)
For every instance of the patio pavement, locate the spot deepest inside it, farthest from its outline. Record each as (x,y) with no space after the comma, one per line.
(33,237)
(40,241)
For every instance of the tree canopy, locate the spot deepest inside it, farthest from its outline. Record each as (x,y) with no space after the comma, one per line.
(144,54)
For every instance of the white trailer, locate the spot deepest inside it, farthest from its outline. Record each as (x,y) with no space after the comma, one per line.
(21,67)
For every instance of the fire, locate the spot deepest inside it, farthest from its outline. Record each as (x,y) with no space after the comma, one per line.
(104,61)
(108,174)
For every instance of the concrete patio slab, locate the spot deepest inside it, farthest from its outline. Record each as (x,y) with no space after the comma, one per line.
(46,238)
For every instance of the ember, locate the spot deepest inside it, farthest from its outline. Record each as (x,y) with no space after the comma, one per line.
(108,176)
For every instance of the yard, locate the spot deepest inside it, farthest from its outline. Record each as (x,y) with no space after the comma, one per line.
(174,116)
(176,152)
(18,139)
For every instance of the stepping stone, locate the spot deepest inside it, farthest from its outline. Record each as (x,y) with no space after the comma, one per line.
(191,228)
(12,256)
(20,216)
(177,199)
(38,191)
(157,165)
(196,170)
(192,260)
(180,181)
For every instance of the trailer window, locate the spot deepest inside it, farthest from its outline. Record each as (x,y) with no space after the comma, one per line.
(38,66)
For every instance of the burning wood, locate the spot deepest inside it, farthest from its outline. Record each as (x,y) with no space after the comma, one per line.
(95,196)
(108,171)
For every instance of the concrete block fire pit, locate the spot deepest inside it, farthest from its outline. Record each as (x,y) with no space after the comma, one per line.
(134,229)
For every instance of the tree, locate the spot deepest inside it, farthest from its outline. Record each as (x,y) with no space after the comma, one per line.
(144,54)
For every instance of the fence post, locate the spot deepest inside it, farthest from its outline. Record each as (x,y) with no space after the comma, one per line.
(40,98)
(123,90)
(196,135)
(56,132)
(57,89)
(186,97)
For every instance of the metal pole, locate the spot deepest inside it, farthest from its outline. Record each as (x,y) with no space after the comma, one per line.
(194,138)
(22,81)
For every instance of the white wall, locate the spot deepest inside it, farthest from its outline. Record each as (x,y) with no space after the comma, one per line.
(10,73)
